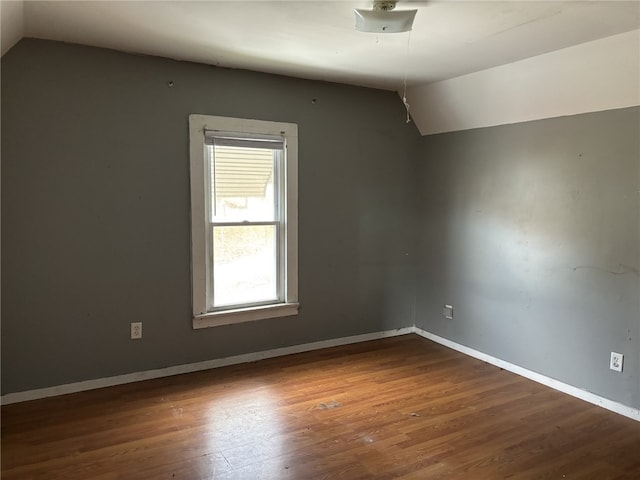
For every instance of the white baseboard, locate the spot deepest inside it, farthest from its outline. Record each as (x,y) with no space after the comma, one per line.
(193,367)
(616,407)
(611,405)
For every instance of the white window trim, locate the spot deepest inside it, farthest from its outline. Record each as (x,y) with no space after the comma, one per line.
(202,318)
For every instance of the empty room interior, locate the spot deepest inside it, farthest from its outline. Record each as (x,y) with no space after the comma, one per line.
(317,240)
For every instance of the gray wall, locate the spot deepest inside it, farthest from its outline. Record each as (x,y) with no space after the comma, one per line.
(95,211)
(532,232)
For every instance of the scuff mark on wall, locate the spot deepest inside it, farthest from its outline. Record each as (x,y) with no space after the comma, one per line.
(622,269)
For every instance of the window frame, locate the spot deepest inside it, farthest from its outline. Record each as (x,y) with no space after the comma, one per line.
(201,268)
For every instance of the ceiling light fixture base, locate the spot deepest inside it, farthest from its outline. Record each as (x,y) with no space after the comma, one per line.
(383,18)
(385,6)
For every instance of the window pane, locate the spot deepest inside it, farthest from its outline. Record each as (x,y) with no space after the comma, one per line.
(244,264)
(242,181)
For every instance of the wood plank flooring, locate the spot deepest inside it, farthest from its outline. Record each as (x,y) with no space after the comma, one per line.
(398,408)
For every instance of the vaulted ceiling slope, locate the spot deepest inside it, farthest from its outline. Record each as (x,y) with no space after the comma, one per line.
(317,39)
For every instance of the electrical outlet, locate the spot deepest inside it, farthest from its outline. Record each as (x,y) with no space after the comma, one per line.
(616,361)
(447,311)
(136,330)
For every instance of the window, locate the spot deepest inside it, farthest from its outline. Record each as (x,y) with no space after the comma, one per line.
(243,219)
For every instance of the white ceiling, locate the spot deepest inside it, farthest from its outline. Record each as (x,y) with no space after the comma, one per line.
(317,40)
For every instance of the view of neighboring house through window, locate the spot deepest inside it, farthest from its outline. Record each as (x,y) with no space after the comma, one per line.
(244,219)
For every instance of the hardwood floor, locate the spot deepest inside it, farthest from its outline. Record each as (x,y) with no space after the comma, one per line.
(402,408)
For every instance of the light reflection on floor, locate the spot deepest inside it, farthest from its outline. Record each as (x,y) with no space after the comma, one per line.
(243,430)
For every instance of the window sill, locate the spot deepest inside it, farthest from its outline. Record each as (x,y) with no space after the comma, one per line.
(241,315)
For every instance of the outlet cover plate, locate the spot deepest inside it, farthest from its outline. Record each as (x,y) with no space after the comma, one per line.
(616,361)
(447,311)
(136,330)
